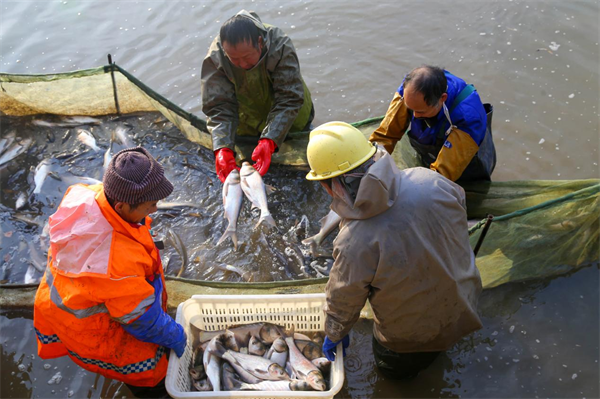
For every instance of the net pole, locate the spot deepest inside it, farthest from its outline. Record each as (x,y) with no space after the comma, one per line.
(114,83)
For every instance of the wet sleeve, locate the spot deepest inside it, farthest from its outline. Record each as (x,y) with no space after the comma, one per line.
(456,154)
(394,124)
(288,94)
(219,104)
(349,285)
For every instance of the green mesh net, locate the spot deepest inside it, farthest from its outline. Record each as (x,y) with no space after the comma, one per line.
(541,228)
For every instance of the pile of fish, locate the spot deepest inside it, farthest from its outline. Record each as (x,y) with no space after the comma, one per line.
(249,182)
(259,357)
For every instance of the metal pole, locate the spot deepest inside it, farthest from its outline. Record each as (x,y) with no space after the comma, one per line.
(112,75)
(486,226)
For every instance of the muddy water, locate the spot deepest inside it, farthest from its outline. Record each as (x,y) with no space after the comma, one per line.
(537,62)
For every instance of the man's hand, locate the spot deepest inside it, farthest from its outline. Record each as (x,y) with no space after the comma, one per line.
(224,163)
(329,347)
(262,155)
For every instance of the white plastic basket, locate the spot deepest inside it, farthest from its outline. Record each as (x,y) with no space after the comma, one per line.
(216,312)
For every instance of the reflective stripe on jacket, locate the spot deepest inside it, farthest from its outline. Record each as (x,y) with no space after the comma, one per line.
(96,280)
(404,246)
(269,100)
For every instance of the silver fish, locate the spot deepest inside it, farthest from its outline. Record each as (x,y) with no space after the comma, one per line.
(15,150)
(309,349)
(301,336)
(70,180)
(232,203)
(212,363)
(257,366)
(69,121)
(41,172)
(21,201)
(293,385)
(203,385)
(254,188)
(229,378)
(86,138)
(179,248)
(278,352)
(123,137)
(7,141)
(36,258)
(328,224)
(256,347)
(30,277)
(197,372)
(246,275)
(322,364)
(164,205)
(266,332)
(303,368)
(109,152)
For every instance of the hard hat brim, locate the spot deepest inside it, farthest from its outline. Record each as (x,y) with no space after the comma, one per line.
(316,177)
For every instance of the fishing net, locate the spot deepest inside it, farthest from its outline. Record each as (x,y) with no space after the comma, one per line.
(541,228)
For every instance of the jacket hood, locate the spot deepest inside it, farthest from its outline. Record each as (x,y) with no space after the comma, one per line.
(377,191)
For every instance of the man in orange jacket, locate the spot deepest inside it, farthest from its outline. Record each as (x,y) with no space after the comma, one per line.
(102,300)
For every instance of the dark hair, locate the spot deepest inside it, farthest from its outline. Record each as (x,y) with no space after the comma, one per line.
(238,29)
(112,203)
(429,81)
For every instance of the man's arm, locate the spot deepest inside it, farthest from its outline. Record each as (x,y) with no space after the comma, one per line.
(136,304)
(288,94)
(219,104)
(349,285)
(394,124)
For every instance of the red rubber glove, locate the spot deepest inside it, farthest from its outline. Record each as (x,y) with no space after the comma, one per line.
(262,155)
(224,163)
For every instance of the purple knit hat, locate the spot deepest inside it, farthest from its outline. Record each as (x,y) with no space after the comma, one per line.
(134,176)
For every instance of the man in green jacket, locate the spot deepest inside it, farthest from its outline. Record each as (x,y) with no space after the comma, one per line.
(252,86)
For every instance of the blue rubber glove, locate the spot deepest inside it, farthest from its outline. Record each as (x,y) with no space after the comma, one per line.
(156,326)
(329,347)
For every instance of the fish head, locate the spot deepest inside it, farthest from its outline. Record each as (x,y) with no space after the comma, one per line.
(269,333)
(256,347)
(197,372)
(275,370)
(300,385)
(279,345)
(312,351)
(233,177)
(203,385)
(316,380)
(247,169)
(228,340)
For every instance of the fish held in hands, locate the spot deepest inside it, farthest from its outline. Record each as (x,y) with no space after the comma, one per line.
(232,203)
(255,190)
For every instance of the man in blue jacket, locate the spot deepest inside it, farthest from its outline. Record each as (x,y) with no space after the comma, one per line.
(447,124)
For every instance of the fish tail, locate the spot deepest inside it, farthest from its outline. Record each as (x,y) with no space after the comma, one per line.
(229,233)
(266,219)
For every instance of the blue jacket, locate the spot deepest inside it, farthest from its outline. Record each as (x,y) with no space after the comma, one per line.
(469,116)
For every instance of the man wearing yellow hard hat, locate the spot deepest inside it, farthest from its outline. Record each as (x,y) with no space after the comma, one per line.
(403,244)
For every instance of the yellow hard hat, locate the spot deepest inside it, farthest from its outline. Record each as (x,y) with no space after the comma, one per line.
(335,148)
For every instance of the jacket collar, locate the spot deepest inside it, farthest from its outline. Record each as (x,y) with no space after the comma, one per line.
(377,192)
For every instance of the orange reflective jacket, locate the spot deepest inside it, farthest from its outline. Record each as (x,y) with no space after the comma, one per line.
(96,280)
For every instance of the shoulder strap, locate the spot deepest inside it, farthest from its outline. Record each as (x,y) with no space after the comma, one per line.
(464,93)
